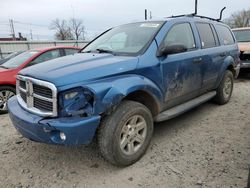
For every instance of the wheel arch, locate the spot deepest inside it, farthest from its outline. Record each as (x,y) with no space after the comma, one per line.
(146,99)
(231,68)
(8,85)
(228,64)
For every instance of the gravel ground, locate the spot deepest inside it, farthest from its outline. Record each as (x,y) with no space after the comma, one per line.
(207,147)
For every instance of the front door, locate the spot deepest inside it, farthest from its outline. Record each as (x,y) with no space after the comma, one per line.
(182,72)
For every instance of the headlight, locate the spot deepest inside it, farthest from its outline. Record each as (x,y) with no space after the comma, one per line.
(77,101)
(71,95)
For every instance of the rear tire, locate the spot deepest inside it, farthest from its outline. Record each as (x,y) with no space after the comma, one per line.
(6,92)
(225,89)
(124,135)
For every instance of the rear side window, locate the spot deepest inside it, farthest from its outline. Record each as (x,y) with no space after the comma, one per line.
(69,51)
(225,34)
(52,54)
(180,34)
(206,35)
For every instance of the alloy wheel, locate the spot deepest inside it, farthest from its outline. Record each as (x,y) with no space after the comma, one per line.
(227,87)
(5,95)
(133,134)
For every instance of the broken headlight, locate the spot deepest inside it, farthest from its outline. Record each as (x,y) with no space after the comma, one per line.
(76,102)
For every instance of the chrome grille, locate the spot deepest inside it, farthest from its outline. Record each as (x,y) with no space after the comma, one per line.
(43,91)
(22,84)
(23,96)
(43,105)
(37,96)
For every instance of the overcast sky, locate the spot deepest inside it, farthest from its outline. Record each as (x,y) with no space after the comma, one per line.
(99,15)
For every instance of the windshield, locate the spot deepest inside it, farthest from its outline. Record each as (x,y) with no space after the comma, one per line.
(18,60)
(127,39)
(242,35)
(12,55)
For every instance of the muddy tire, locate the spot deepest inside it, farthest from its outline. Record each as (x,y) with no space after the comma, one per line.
(125,134)
(225,88)
(6,92)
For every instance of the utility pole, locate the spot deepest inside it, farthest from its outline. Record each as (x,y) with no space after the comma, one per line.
(73,11)
(31,35)
(12,30)
(146,14)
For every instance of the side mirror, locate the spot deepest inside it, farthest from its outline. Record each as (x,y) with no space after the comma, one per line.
(171,49)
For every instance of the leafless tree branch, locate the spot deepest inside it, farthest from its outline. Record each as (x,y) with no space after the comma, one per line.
(239,19)
(62,29)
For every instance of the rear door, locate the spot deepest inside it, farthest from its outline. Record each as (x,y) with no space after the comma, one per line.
(212,54)
(228,42)
(182,72)
(46,56)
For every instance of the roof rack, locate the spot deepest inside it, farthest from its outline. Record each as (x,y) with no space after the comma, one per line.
(195,14)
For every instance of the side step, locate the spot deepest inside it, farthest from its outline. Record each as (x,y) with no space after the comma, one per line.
(177,110)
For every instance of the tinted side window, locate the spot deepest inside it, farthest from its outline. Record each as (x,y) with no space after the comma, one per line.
(215,35)
(70,51)
(180,34)
(206,35)
(225,35)
(45,57)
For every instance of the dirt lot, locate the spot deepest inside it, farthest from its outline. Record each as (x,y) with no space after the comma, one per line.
(206,147)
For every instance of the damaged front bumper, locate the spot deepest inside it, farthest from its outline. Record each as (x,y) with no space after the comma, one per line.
(75,130)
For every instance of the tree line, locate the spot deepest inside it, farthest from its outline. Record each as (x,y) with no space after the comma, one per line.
(239,19)
(72,29)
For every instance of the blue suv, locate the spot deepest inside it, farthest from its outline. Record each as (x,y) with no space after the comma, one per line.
(125,80)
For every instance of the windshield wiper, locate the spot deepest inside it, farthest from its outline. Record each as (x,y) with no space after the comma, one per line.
(1,66)
(89,51)
(100,50)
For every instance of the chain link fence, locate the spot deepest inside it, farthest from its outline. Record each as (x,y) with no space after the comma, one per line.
(7,47)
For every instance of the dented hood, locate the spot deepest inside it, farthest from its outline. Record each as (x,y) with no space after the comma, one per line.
(244,46)
(80,67)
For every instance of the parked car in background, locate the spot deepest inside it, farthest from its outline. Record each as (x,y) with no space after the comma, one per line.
(10,68)
(243,37)
(9,57)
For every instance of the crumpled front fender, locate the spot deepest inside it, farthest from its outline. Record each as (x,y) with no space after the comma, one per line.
(110,92)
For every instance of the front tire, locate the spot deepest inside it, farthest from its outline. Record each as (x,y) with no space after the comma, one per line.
(124,135)
(6,92)
(225,88)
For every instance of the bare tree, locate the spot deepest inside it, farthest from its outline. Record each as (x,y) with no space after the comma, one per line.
(62,29)
(239,19)
(77,28)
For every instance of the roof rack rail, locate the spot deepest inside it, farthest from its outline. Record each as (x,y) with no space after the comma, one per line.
(195,14)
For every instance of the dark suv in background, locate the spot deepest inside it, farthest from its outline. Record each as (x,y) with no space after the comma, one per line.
(125,80)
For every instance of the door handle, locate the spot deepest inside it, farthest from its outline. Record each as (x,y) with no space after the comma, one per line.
(198,60)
